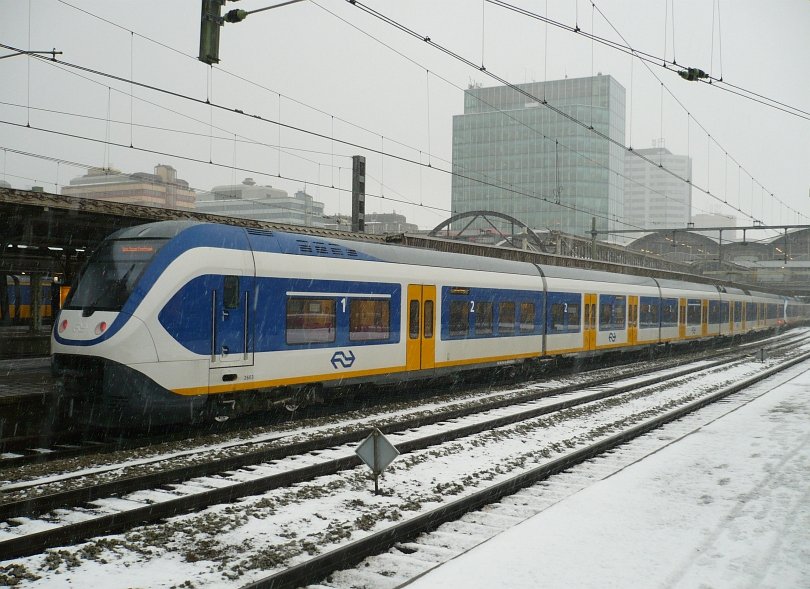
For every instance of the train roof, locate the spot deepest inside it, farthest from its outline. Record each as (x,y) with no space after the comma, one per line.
(306,244)
(157,230)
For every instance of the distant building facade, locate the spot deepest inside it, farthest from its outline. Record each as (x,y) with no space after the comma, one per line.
(381,223)
(375,223)
(263,203)
(161,189)
(708,220)
(512,154)
(654,198)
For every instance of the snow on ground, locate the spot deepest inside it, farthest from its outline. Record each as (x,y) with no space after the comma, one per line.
(726,506)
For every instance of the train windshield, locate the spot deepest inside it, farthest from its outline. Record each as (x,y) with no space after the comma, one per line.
(111,274)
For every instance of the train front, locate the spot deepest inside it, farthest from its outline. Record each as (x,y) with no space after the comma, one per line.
(99,341)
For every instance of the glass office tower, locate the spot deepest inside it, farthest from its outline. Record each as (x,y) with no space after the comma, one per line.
(513,155)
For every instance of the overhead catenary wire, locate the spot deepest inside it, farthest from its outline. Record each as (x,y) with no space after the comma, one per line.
(500,111)
(294,128)
(678,101)
(299,180)
(653,59)
(523,92)
(227,72)
(258,173)
(211,69)
(645,58)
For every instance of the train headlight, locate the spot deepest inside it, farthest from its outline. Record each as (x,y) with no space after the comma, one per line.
(101,328)
(63,325)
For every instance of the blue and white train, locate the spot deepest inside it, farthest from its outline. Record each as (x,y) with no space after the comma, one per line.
(182,321)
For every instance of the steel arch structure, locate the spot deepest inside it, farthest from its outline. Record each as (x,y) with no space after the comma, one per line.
(526,238)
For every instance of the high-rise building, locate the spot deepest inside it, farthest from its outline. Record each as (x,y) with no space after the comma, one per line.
(161,189)
(514,155)
(263,203)
(655,196)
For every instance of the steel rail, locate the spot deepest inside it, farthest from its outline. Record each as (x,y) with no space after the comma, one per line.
(315,569)
(41,504)
(29,544)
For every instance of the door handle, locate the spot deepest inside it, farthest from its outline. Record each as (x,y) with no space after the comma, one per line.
(225,350)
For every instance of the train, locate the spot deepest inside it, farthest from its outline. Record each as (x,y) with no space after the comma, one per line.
(17,307)
(185,321)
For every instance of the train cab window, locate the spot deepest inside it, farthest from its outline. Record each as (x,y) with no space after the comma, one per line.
(230,296)
(483,318)
(506,318)
(527,316)
(110,275)
(459,318)
(369,319)
(428,328)
(310,320)
(413,320)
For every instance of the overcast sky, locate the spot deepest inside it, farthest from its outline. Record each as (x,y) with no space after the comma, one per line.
(344,75)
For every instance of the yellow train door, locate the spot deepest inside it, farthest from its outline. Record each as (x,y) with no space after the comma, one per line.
(632,320)
(704,318)
(420,346)
(682,319)
(589,322)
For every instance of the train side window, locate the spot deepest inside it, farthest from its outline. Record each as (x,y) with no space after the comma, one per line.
(483,318)
(526,317)
(612,312)
(714,312)
(413,319)
(428,328)
(564,317)
(506,318)
(669,313)
(459,318)
(369,319)
(310,320)
(619,311)
(605,315)
(648,312)
(573,317)
(693,311)
(230,296)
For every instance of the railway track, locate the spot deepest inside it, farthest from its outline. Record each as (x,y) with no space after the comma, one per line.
(118,512)
(418,554)
(17,500)
(34,449)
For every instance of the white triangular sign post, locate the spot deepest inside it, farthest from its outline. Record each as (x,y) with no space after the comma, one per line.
(377,452)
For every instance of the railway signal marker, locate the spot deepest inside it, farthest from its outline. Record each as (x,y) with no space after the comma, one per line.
(377,452)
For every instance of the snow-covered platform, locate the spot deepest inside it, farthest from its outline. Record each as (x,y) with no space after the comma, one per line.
(728,505)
